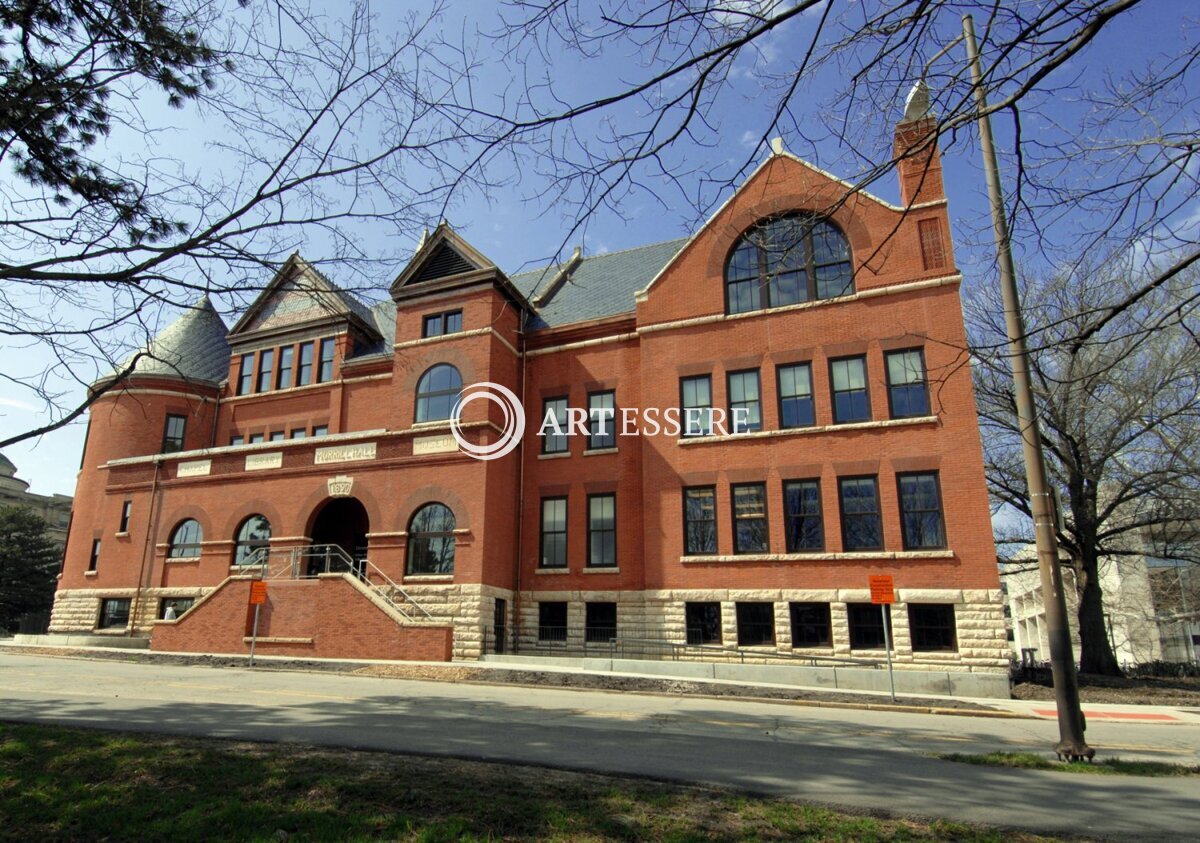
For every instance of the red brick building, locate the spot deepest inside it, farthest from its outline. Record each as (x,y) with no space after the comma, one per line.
(314,434)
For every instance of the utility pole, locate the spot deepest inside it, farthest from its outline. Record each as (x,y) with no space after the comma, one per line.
(1071,744)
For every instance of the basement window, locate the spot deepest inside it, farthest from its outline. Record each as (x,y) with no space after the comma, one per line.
(114,613)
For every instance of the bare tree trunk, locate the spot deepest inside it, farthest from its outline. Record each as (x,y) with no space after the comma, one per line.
(1095,651)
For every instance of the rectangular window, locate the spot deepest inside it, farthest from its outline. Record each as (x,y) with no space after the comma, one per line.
(237,440)
(305,370)
(287,356)
(749,518)
(179,604)
(126,511)
(602,420)
(325,370)
(933,248)
(745,403)
(442,323)
(94,559)
(861,527)
(554,533)
(811,625)
(266,369)
(245,374)
(921,520)
(866,625)
(756,624)
(299,433)
(931,626)
(699,520)
(795,395)
(848,380)
(255,438)
(908,396)
(600,622)
(114,614)
(554,443)
(695,400)
(173,432)
(802,516)
(277,436)
(702,622)
(552,621)
(602,531)
(320,430)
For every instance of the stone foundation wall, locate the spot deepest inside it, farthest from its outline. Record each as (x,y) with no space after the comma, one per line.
(78,609)
(978,614)
(468,607)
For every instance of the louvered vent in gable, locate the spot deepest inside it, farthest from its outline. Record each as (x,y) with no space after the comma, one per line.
(442,263)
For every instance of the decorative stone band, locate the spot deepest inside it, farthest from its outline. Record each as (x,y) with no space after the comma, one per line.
(896,555)
(803,431)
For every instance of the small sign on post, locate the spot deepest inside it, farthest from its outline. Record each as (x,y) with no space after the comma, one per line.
(883,594)
(258,596)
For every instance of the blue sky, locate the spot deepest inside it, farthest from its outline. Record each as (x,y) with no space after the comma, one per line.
(517,231)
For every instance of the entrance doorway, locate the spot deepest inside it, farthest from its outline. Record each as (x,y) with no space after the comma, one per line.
(342,522)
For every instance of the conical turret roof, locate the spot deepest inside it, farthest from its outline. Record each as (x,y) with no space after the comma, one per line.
(193,347)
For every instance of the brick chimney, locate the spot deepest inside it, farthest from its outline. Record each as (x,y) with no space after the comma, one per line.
(916,152)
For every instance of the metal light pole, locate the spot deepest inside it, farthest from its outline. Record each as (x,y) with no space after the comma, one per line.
(1071,724)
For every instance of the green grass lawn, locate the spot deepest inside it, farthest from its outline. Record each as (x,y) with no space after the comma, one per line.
(58,783)
(1103,767)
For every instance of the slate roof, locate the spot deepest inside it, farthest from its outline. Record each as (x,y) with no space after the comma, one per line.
(600,286)
(192,347)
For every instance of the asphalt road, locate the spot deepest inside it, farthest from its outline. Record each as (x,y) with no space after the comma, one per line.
(852,758)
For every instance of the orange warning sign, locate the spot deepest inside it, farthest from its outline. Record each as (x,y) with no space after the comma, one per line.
(258,593)
(883,589)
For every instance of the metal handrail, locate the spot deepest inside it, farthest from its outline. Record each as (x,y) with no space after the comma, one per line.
(334,558)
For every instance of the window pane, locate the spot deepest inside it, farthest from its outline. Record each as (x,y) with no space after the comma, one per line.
(835,280)
(802,508)
(745,408)
(552,621)
(602,429)
(432,326)
(554,533)
(906,384)
(453,322)
(921,512)
(245,374)
(749,518)
(304,373)
(696,393)
(795,396)
(286,356)
(266,368)
(325,372)
(866,625)
(861,527)
(700,520)
(932,627)
(703,623)
(811,625)
(556,409)
(756,624)
(743,296)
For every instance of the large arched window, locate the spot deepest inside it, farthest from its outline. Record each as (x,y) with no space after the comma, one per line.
(437,392)
(253,539)
(787,260)
(431,540)
(185,540)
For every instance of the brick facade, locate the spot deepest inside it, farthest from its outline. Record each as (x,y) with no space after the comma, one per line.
(572,331)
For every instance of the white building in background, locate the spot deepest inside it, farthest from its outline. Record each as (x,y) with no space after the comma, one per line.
(1151,607)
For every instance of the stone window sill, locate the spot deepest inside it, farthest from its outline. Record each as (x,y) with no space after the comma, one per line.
(550,571)
(557,455)
(90,573)
(611,569)
(121,535)
(429,578)
(596,452)
(818,557)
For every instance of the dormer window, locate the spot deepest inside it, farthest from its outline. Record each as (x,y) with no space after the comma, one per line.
(787,260)
(438,324)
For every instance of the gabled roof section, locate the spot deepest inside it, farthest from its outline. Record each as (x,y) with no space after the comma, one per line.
(586,288)
(778,152)
(192,348)
(443,254)
(299,294)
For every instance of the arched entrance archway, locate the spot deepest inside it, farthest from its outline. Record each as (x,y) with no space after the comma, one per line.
(342,522)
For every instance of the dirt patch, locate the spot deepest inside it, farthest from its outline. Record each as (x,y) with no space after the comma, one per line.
(1122,691)
(546,679)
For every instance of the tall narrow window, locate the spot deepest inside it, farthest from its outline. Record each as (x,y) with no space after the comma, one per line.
(431,540)
(94,559)
(126,511)
(602,421)
(245,374)
(787,260)
(320,430)
(173,433)
(253,540)
(554,533)
(933,247)
(848,380)
(437,393)
(907,393)
(186,540)
(325,368)
(554,410)
(795,396)
(699,520)
(861,527)
(305,370)
(266,369)
(745,403)
(602,531)
(287,356)
(921,519)
(802,516)
(695,399)
(749,518)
